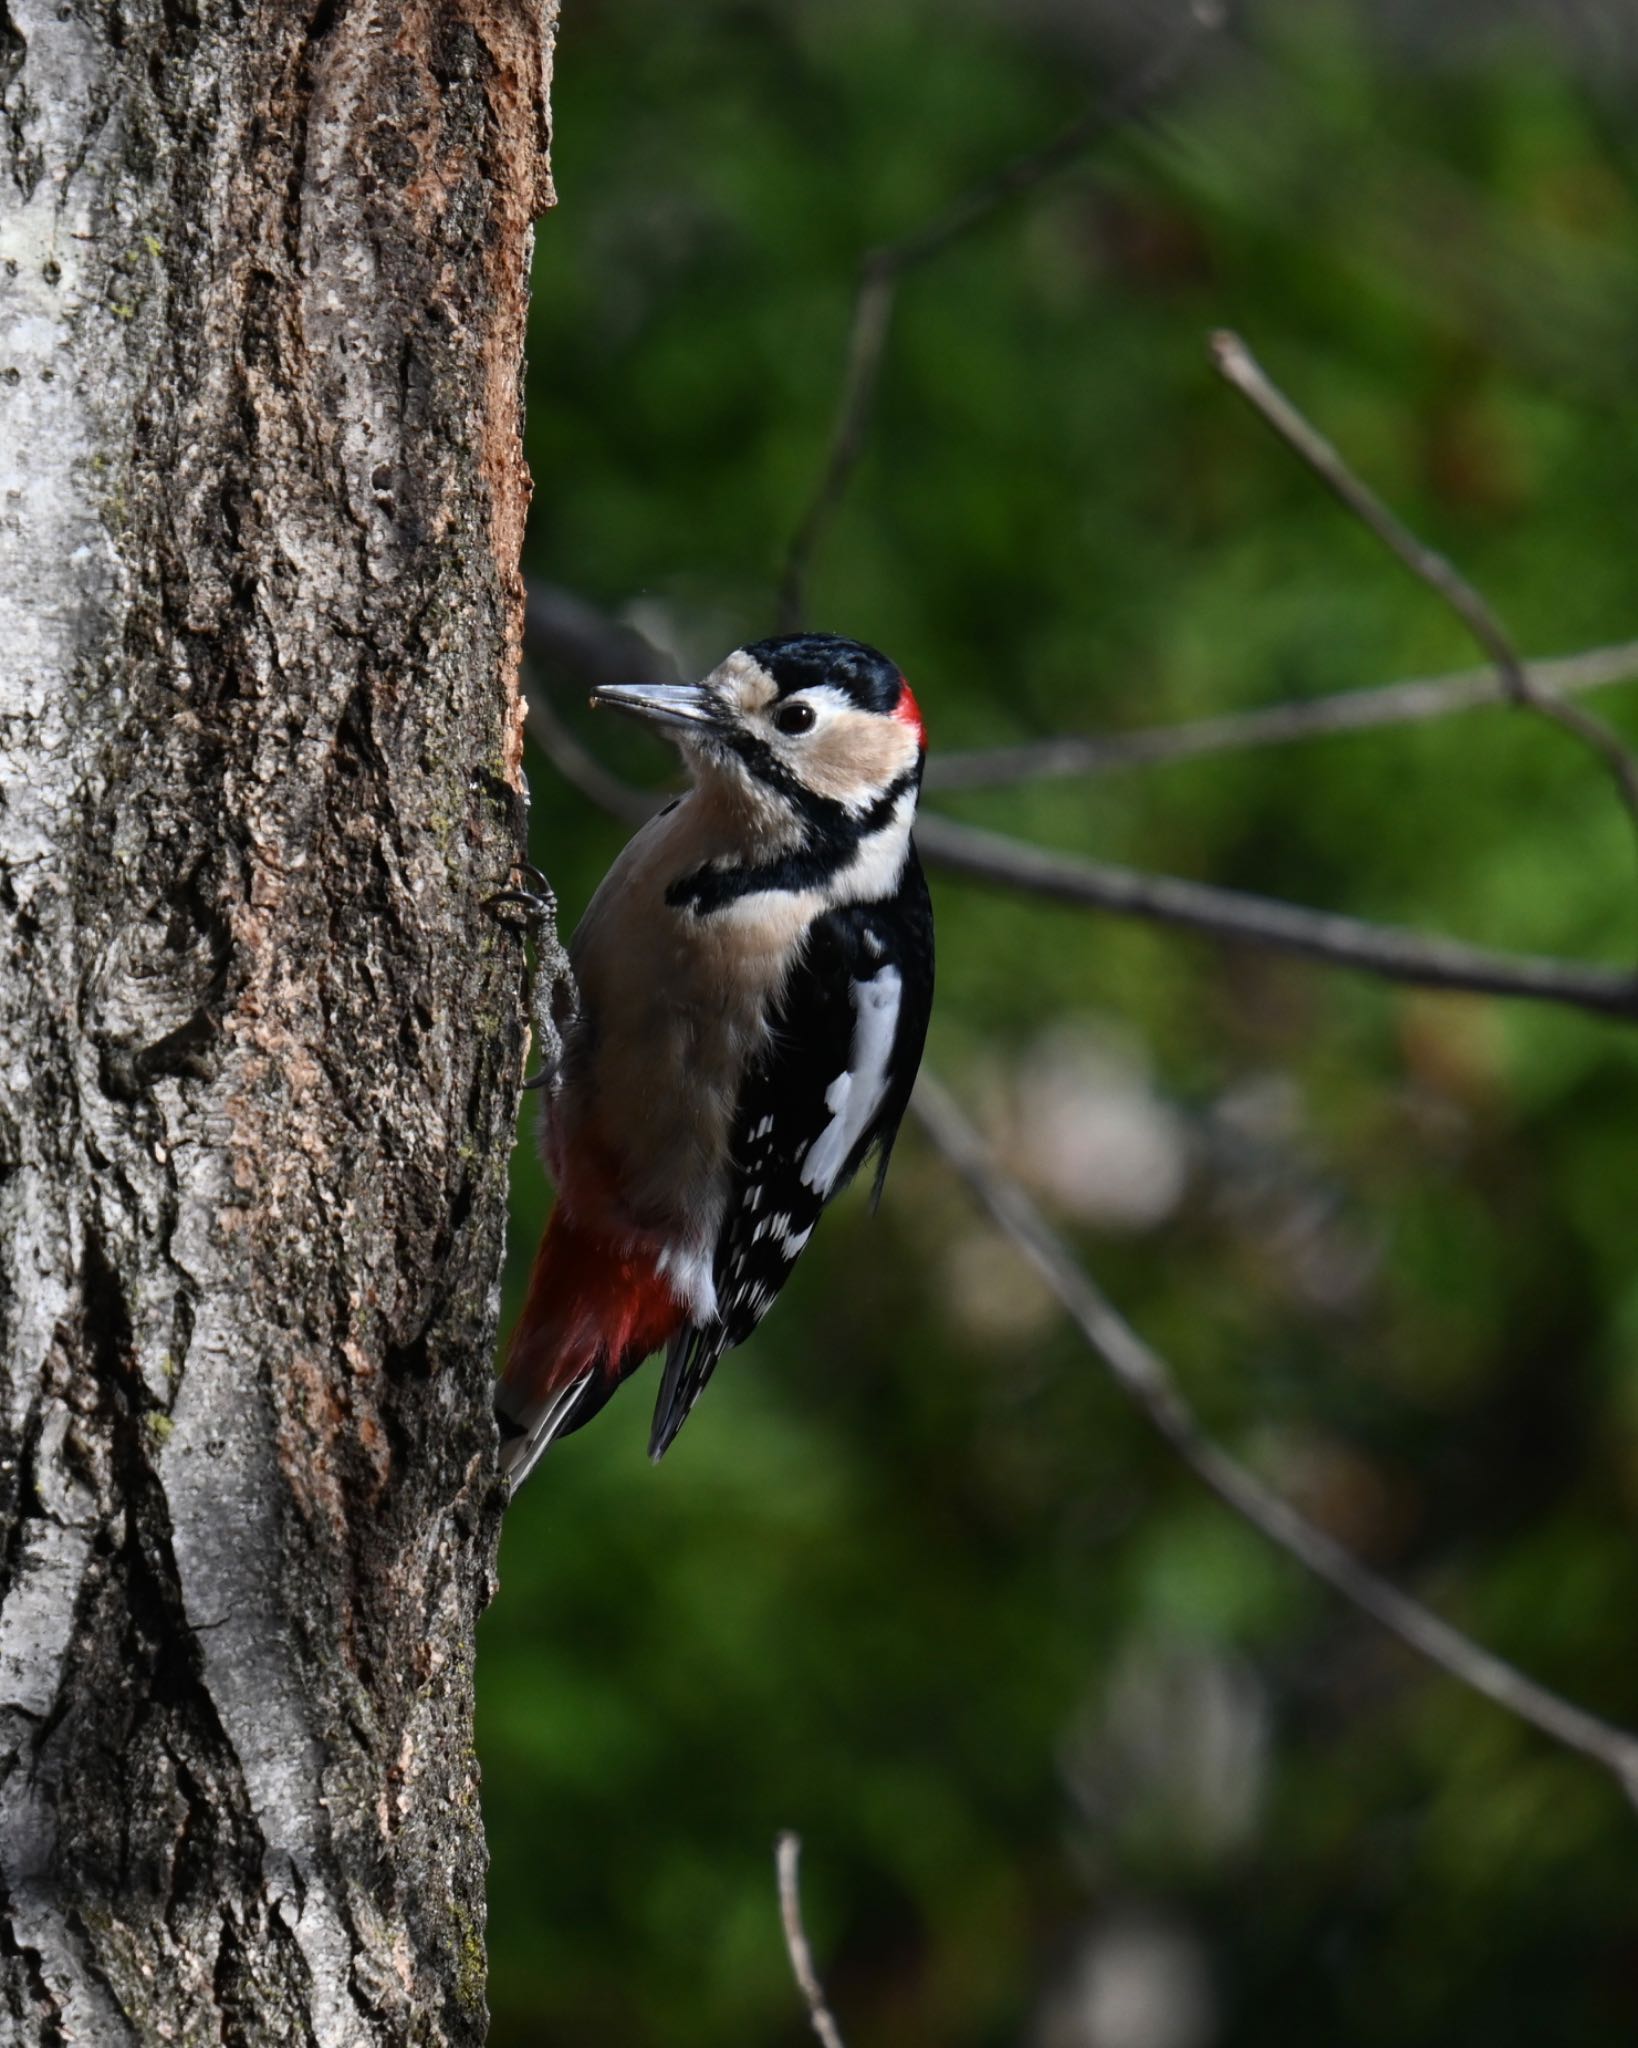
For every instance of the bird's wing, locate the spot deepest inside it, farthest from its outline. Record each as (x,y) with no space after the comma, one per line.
(831,1082)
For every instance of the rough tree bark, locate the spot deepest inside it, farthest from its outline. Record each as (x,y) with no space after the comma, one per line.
(262,290)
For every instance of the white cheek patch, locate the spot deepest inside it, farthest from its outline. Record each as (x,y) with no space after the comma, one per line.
(854,1097)
(875,868)
(851,756)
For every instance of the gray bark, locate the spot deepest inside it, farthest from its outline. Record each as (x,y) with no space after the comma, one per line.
(262,289)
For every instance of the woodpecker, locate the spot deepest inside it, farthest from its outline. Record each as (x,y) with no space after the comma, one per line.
(755,975)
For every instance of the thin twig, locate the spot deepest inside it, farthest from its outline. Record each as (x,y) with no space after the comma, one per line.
(1147,1380)
(1238,367)
(788,1862)
(1350,942)
(883,270)
(569,633)
(1275,725)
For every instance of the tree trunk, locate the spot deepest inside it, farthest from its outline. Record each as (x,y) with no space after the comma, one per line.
(262,291)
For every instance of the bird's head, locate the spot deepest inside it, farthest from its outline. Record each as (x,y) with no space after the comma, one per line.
(805,722)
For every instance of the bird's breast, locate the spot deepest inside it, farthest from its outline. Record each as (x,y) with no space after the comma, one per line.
(674,1008)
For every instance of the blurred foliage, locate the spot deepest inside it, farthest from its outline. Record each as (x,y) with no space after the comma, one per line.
(914,1580)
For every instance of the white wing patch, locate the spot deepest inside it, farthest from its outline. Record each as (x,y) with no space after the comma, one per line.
(854,1097)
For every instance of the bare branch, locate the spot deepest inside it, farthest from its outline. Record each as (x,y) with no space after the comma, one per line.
(1147,1380)
(571,637)
(1244,919)
(1238,367)
(1345,711)
(1230,914)
(883,269)
(788,1861)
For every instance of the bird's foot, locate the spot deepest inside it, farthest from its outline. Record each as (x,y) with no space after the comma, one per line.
(554,997)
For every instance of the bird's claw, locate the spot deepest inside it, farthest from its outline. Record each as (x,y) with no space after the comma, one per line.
(554,997)
(538,910)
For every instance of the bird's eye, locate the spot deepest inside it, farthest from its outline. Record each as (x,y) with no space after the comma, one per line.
(794,717)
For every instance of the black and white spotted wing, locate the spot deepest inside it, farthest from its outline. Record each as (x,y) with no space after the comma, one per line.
(830,1085)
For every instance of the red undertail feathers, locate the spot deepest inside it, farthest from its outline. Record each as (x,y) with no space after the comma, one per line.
(594,1312)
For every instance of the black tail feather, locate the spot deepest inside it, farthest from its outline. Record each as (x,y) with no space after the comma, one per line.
(690,1360)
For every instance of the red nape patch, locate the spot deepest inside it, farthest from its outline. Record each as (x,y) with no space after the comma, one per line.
(591,1302)
(908,712)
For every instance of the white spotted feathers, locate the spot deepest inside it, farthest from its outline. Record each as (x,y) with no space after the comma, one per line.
(828,1087)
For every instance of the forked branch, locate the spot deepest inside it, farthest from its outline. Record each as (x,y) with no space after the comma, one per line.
(1240,368)
(1233,915)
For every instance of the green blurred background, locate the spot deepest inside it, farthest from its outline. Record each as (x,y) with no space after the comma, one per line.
(1079,1762)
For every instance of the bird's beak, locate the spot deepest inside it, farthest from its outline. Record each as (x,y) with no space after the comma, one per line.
(689,706)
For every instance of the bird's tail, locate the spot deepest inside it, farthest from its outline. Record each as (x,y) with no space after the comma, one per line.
(596,1308)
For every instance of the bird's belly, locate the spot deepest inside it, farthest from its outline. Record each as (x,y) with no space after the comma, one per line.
(650,1089)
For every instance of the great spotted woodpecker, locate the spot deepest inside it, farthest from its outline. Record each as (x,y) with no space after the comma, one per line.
(755,975)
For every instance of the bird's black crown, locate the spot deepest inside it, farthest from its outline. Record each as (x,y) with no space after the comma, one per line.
(797,661)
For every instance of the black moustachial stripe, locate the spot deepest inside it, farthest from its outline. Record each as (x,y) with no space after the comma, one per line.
(835,835)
